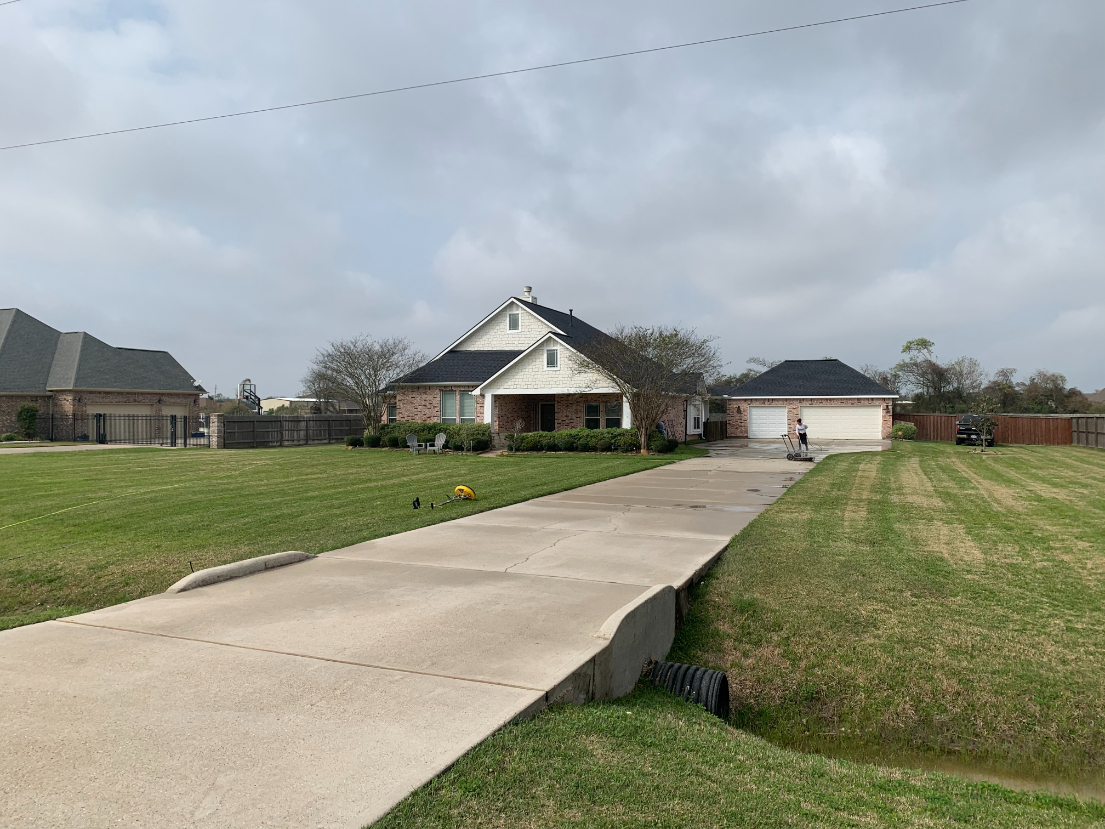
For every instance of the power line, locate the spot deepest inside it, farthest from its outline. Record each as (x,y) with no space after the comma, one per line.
(468,78)
(9,2)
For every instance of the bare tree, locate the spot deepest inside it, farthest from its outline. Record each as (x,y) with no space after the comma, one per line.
(966,377)
(359,369)
(653,367)
(888,378)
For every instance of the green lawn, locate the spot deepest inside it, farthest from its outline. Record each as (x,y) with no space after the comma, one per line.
(649,760)
(81,530)
(923,602)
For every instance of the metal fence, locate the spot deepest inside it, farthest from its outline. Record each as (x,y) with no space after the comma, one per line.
(254,431)
(146,430)
(1088,430)
(1039,430)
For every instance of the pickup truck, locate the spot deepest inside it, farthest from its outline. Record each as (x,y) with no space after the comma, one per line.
(967,431)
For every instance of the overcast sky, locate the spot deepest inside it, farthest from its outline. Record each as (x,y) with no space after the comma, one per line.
(828,192)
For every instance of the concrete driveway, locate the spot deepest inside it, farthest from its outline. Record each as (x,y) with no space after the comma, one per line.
(321,693)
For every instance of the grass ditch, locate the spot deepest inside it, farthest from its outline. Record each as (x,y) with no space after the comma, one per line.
(924,602)
(83,530)
(650,760)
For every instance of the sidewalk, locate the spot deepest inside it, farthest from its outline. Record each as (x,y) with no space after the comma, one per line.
(321,693)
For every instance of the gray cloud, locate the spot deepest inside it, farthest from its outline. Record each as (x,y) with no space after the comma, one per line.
(827,192)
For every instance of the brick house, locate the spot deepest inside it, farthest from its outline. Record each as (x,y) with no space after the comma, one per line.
(73,375)
(835,401)
(519,367)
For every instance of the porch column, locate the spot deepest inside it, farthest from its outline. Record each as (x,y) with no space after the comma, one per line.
(489,410)
(627,415)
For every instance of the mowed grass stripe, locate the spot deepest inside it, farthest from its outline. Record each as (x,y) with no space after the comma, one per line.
(229,505)
(948,608)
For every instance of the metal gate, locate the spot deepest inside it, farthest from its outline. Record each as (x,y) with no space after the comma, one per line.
(146,430)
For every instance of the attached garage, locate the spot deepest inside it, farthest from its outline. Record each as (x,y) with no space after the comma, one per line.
(120,408)
(843,422)
(767,421)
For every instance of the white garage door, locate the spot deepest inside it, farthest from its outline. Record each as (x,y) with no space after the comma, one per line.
(843,422)
(767,421)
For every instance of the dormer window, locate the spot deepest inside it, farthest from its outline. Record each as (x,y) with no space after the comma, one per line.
(514,321)
(552,358)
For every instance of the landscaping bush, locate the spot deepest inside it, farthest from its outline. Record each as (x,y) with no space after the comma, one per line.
(392,441)
(660,445)
(481,445)
(566,442)
(629,443)
(9,436)
(903,431)
(585,444)
(531,442)
(372,440)
(603,445)
(426,432)
(673,444)
(27,418)
(354,441)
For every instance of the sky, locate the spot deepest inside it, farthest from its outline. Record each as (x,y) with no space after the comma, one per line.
(833,191)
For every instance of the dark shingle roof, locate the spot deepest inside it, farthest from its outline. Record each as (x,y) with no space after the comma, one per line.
(807,378)
(460,367)
(577,333)
(35,358)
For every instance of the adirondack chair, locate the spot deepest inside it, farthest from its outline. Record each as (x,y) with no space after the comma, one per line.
(438,445)
(414,445)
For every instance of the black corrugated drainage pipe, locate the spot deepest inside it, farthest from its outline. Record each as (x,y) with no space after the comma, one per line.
(704,686)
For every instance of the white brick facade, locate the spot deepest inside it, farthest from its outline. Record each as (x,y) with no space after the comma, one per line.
(530,373)
(494,334)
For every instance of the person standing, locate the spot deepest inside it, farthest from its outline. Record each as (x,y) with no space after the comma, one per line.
(800,430)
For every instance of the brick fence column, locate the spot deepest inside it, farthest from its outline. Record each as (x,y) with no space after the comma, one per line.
(216,430)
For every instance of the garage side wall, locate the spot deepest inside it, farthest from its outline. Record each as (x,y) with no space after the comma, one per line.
(736,410)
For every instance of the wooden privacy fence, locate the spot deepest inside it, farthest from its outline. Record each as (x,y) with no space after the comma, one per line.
(252,431)
(1088,430)
(715,429)
(1041,430)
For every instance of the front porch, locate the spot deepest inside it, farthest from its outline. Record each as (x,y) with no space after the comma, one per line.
(550,412)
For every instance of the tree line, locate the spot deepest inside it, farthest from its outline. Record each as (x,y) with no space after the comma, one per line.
(963,385)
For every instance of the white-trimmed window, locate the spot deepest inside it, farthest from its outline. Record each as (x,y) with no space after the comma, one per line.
(448,407)
(391,413)
(514,321)
(467,407)
(696,418)
(552,358)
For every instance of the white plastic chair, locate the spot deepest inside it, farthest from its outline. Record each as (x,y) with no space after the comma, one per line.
(438,445)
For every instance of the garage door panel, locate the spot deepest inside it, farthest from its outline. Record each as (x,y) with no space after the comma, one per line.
(843,422)
(767,421)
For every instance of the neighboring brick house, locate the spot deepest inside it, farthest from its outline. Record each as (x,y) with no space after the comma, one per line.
(834,400)
(74,375)
(519,367)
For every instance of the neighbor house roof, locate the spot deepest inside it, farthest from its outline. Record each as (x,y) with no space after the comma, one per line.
(807,378)
(460,367)
(35,358)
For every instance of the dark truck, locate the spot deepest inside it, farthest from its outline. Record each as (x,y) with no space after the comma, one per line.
(967,431)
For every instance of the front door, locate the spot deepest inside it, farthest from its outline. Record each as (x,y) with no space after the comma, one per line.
(548,417)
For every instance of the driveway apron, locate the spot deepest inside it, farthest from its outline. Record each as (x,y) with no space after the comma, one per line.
(321,693)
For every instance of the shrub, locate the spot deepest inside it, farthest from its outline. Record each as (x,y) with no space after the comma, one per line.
(585,444)
(629,443)
(27,418)
(531,442)
(566,441)
(372,440)
(392,441)
(481,445)
(354,440)
(9,436)
(603,445)
(426,432)
(659,444)
(903,431)
(673,444)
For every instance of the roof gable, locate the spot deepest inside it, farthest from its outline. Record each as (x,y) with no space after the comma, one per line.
(461,367)
(27,349)
(807,378)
